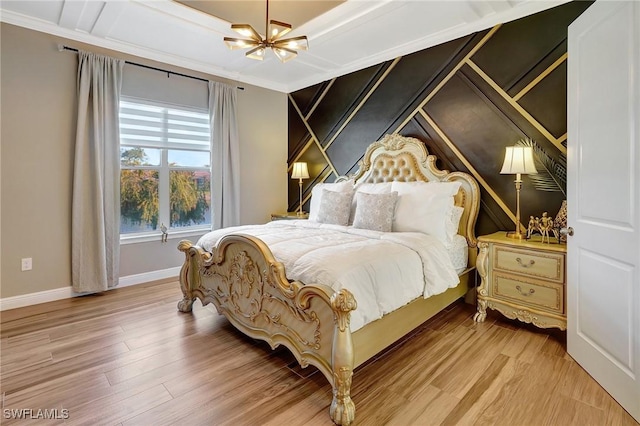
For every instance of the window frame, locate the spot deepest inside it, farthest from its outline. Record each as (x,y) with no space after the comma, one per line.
(164,170)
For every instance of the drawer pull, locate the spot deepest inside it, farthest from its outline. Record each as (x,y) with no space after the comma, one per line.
(525,294)
(525,265)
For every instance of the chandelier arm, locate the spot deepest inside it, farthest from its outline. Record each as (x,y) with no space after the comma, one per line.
(282,29)
(293,43)
(285,49)
(239,43)
(256,53)
(286,57)
(247,30)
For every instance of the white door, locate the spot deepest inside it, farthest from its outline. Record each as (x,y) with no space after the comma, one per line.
(603,196)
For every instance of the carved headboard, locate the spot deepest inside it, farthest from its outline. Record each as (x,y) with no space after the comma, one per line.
(405,159)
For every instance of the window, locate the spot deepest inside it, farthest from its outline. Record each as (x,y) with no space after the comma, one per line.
(165,161)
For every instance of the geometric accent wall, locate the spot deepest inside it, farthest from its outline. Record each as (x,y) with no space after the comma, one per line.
(466,99)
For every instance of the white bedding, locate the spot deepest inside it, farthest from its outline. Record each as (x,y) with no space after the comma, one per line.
(459,253)
(383,270)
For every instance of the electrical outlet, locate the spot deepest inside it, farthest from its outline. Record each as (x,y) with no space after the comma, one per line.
(27,264)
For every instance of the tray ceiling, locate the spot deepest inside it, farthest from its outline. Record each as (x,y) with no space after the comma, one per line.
(344,36)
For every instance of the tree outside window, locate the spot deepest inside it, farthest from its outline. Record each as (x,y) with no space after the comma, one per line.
(159,182)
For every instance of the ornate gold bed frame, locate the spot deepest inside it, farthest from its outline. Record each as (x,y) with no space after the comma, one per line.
(249,286)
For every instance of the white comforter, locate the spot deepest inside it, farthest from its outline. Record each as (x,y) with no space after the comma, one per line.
(383,270)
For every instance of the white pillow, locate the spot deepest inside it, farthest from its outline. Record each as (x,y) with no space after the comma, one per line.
(335,207)
(316,195)
(369,188)
(424,207)
(374,188)
(453,221)
(375,211)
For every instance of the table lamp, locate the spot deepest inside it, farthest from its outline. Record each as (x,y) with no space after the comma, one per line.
(518,160)
(300,171)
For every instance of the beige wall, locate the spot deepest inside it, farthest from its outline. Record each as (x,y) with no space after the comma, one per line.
(37,138)
(264,127)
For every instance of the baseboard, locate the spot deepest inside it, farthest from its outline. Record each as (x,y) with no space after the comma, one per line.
(67,292)
(149,276)
(36,298)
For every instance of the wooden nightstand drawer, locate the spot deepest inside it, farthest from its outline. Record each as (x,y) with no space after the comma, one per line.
(545,265)
(537,294)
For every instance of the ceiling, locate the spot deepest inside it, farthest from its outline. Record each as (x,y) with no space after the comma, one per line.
(344,36)
(253,12)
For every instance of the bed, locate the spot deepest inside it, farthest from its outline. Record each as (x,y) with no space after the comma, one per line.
(317,320)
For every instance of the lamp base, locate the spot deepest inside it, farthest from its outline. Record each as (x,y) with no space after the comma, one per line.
(516,235)
(301,213)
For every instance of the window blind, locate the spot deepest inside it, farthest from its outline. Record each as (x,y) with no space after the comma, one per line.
(157,126)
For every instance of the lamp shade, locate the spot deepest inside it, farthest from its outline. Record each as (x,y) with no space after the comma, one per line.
(300,171)
(518,159)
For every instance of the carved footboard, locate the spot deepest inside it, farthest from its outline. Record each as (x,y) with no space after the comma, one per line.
(247,285)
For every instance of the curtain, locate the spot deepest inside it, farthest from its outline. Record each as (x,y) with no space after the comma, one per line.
(225,156)
(95,228)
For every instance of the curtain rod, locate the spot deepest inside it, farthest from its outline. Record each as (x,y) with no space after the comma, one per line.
(63,47)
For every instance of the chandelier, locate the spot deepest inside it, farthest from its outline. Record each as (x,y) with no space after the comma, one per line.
(284,49)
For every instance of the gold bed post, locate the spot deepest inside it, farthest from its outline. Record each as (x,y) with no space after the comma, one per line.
(188,276)
(342,410)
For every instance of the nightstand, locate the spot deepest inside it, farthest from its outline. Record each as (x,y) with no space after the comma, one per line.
(288,216)
(522,279)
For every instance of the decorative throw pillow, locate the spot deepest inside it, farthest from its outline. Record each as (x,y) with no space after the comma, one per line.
(316,195)
(369,188)
(335,207)
(375,211)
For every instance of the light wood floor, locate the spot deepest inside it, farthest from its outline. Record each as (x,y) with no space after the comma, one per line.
(128,357)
